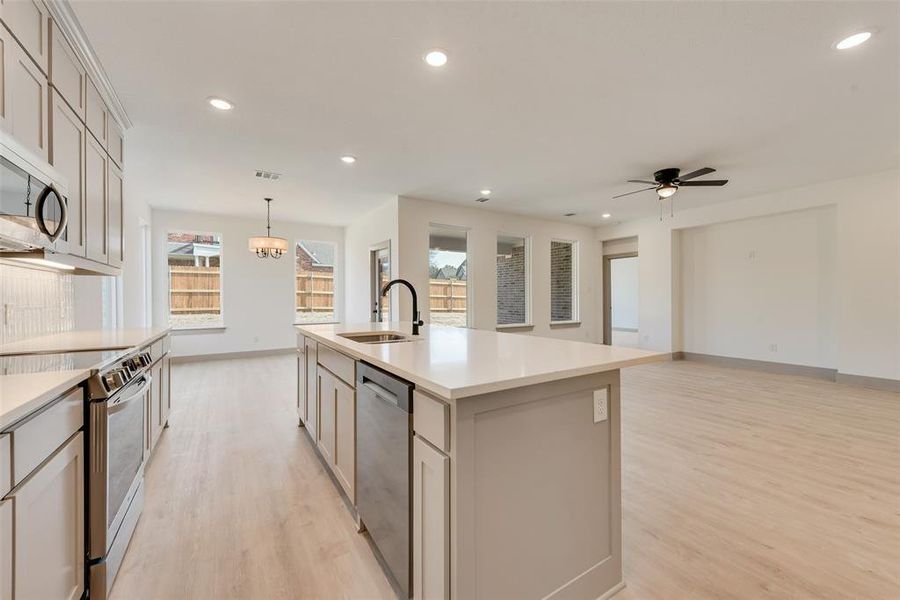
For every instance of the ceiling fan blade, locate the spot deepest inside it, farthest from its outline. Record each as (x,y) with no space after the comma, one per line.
(697,173)
(635,192)
(708,182)
(642,181)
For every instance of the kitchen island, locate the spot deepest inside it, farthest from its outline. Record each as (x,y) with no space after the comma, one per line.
(516,453)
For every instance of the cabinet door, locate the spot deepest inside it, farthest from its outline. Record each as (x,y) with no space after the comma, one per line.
(116,146)
(95,200)
(301,384)
(114,215)
(24,98)
(48,516)
(29,22)
(67,76)
(6,549)
(345,437)
(155,403)
(165,391)
(312,390)
(67,155)
(95,114)
(327,392)
(431,522)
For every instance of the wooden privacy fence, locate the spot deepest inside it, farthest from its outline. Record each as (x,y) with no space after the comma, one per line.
(315,291)
(194,290)
(447,295)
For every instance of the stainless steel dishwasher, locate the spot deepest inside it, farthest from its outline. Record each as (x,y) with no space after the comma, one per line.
(384,467)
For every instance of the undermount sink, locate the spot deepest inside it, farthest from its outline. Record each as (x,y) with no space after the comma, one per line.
(376,337)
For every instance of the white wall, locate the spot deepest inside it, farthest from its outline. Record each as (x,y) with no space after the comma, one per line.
(763,288)
(867,250)
(375,227)
(624,292)
(258,294)
(415,217)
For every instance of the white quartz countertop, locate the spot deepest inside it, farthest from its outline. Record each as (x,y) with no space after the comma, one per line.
(21,395)
(84,340)
(455,362)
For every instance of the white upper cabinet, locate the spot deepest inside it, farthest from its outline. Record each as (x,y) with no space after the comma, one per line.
(29,22)
(67,75)
(114,215)
(116,146)
(67,145)
(96,115)
(95,200)
(24,97)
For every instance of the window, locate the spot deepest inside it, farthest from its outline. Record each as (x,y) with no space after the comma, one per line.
(513,280)
(563,281)
(447,266)
(195,280)
(314,275)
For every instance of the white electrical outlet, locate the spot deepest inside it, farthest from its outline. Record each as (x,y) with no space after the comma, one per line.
(601,405)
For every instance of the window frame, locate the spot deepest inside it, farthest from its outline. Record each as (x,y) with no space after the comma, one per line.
(336,317)
(528,281)
(470,295)
(188,328)
(576,313)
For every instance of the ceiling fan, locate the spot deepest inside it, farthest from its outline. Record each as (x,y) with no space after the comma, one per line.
(667,181)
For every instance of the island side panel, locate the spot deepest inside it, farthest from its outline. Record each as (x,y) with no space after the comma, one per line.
(536,493)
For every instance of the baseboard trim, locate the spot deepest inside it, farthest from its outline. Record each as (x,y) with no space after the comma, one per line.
(229,355)
(875,383)
(758,365)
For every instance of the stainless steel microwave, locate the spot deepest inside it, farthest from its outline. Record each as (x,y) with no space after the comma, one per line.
(33,211)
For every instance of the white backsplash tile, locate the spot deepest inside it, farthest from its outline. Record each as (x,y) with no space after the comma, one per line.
(34,302)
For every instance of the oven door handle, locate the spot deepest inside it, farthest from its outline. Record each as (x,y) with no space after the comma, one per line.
(120,404)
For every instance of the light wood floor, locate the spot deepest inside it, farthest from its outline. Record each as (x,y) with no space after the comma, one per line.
(736,485)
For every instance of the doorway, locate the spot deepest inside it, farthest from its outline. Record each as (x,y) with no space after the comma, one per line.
(620,299)
(380,275)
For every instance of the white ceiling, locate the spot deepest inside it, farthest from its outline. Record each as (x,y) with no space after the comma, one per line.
(552,105)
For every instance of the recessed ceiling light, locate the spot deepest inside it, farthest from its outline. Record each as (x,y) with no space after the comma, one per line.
(348,159)
(220,103)
(485,192)
(436,57)
(606,215)
(854,40)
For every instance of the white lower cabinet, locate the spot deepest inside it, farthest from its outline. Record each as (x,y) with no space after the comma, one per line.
(6,549)
(327,393)
(48,527)
(345,437)
(431,522)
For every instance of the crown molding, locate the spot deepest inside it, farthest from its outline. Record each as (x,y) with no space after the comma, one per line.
(64,20)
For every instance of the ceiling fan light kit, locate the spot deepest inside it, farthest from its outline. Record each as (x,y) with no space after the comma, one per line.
(666,182)
(267,246)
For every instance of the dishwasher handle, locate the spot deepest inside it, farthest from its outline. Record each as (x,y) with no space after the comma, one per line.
(381,393)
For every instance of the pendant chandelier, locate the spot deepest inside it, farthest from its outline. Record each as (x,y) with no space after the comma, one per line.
(266,246)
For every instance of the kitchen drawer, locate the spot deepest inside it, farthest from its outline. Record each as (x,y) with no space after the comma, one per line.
(5,465)
(341,365)
(157,350)
(431,420)
(40,436)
